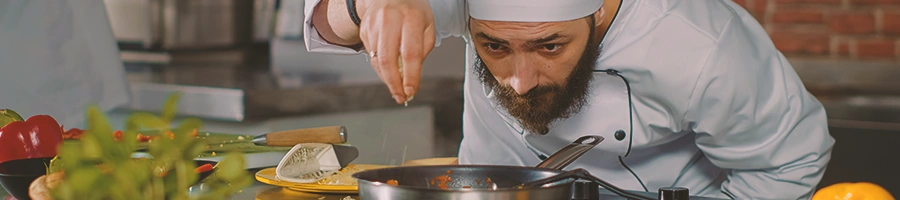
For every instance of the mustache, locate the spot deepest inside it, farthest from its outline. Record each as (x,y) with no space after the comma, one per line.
(537,91)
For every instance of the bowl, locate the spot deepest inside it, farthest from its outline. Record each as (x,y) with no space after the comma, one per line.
(17,175)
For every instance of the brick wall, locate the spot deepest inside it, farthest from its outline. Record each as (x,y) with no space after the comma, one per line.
(831,29)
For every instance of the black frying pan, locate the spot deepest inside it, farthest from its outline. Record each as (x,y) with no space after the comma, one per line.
(545,181)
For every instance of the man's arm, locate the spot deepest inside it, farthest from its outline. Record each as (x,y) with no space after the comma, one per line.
(333,23)
(753,116)
(392,31)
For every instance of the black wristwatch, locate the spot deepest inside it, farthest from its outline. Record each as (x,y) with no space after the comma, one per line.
(351,8)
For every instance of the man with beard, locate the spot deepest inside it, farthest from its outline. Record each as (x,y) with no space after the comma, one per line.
(687,93)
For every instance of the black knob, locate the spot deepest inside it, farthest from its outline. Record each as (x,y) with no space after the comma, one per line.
(674,193)
(585,190)
(620,135)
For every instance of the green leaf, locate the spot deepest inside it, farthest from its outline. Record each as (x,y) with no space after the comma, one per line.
(12,114)
(143,120)
(171,106)
(97,121)
(187,127)
(185,173)
(129,179)
(55,165)
(196,147)
(70,155)
(7,116)
(91,148)
(100,134)
(231,167)
(63,192)
(129,140)
(83,179)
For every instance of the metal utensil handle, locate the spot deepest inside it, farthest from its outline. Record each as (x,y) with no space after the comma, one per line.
(570,153)
(289,138)
(584,174)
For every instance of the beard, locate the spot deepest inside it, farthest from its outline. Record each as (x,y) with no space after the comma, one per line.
(542,105)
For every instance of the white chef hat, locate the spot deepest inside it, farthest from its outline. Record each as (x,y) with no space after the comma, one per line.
(532,10)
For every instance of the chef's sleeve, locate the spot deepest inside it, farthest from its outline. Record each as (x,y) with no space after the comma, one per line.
(450,18)
(753,117)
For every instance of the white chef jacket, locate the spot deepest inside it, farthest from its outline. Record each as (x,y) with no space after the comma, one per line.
(57,57)
(716,107)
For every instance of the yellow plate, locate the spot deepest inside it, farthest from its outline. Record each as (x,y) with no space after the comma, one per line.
(323,191)
(268,176)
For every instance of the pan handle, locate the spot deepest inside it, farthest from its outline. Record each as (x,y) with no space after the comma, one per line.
(584,174)
(570,153)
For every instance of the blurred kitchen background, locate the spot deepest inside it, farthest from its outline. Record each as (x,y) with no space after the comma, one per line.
(243,68)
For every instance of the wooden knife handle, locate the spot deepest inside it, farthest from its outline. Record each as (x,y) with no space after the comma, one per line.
(327,135)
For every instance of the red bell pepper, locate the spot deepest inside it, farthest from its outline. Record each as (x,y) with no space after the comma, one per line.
(38,136)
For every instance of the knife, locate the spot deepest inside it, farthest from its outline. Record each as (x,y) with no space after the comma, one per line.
(343,154)
(289,138)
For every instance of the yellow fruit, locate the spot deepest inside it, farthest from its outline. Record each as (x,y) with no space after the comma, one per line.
(853,191)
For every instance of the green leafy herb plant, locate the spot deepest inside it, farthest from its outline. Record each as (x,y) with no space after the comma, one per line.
(100,166)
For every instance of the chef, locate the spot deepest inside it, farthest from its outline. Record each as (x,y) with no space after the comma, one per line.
(57,57)
(686,93)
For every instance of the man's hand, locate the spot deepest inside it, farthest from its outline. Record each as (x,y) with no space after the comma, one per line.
(392,31)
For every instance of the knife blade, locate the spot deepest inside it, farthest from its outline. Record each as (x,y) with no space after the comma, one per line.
(345,154)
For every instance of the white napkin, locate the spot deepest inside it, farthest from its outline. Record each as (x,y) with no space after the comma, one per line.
(307,163)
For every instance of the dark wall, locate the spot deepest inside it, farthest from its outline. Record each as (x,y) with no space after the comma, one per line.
(865,155)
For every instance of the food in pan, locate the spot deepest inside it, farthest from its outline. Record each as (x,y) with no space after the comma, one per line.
(393,182)
(441,181)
